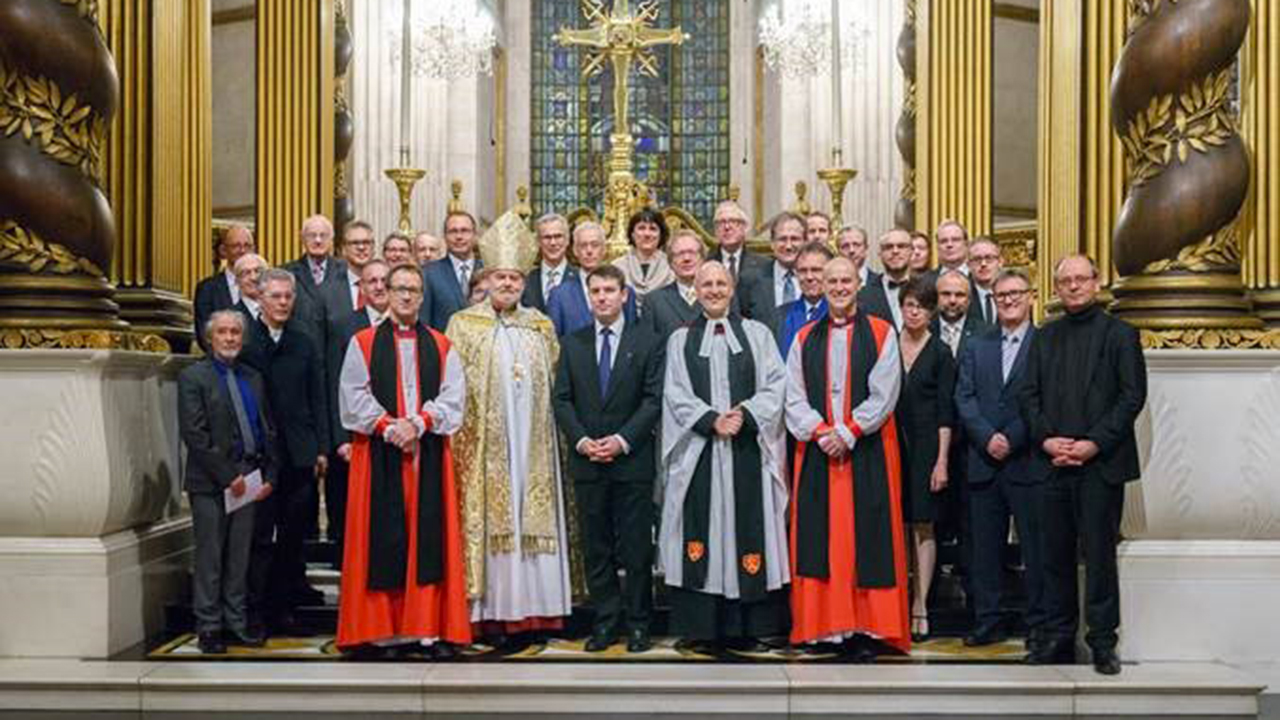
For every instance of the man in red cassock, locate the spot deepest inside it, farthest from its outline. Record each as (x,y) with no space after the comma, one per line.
(848,555)
(402,395)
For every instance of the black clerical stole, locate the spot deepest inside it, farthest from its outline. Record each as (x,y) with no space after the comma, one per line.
(388,537)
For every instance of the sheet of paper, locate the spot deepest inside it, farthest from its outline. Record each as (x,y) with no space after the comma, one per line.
(253,486)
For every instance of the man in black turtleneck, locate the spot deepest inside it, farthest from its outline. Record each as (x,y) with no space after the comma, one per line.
(1086,384)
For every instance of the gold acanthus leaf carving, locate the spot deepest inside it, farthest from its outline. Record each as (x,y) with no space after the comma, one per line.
(63,127)
(1221,249)
(1174,126)
(1211,339)
(24,247)
(1141,10)
(42,339)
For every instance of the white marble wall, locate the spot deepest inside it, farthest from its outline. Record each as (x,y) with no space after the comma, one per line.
(450,132)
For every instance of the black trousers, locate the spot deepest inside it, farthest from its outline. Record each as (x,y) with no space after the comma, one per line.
(616,519)
(990,505)
(278,565)
(335,503)
(1082,508)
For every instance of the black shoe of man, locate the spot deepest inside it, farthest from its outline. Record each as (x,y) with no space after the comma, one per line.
(639,641)
(1106,662)
(601,639)
(211,643)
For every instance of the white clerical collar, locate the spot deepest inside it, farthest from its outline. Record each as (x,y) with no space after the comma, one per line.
(400,327)
(615,328)
(709,335)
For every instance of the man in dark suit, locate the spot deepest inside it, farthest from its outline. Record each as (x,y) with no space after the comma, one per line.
(812,303)
(224,419)
(316,268)
(952,239)
(339,331)
(852,243)
(732,226)
(879,297)
(985,265)
(220,291)
(607,400)
(1086,383)
(567,306)
(294,377)
(554,267)
(954,324)
(340,295)
(448,280)
(776,285)
(992,368)
(676,305)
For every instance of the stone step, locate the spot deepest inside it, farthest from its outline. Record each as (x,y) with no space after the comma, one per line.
(334,690)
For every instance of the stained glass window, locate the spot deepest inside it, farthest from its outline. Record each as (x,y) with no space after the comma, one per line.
(680,119)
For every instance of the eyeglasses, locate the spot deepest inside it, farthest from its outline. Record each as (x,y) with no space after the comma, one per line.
(358,243)
(406,290)
(730,221)
(1075,280)
(1009,295)
(984,258)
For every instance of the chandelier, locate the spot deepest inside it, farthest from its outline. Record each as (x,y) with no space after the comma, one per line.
(449,40)
(796,38)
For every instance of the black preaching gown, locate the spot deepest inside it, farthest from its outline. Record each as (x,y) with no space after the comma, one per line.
(925,404)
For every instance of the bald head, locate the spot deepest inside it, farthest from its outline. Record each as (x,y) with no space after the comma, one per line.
(840,284)
(714,287)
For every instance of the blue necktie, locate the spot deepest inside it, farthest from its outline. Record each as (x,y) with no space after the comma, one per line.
(813,313)
(606,358)
(788,287)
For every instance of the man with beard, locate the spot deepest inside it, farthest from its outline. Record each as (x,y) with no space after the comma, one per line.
(848,549)
(516,541)
(722,544)
(402,396)
(880,298)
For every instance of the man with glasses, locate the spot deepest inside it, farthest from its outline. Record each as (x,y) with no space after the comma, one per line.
(569,305)
(1086,383)
(448,280)
(852,243)
(992,371)
(731,227)
(880,297)
(554,268)
(220,291)
(985,265)
(402,396)
(762,295)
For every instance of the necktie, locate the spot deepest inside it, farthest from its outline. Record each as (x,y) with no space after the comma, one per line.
(553,279)
(788,287)
(988,308)
(242,418)
(813,313)
(895,284)
(733,268)
(317,273)
(606,360)
(951,336)
(1008,355)
(464,277)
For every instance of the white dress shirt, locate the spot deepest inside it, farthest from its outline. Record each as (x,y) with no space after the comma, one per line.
(615,335)
(353,284)
(780,282)
(232,285)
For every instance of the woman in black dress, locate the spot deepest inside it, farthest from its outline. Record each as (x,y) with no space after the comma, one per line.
(926,413)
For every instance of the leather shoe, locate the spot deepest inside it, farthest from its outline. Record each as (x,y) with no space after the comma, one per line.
(861,649)
(443,651)
(1106,662)
(308,596)
(985,636)
(211,643)
(600,641)
(248,639)
(1048,652)
(639,641)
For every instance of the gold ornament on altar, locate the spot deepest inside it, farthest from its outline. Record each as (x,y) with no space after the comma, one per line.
(622,37)
(508,244)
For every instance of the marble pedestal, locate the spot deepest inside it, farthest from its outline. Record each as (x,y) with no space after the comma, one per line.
(1200,569)
(94,540)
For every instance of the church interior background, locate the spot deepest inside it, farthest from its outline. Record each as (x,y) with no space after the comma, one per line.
(132,132)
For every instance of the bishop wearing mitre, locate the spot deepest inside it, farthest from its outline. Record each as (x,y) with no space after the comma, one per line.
(513,508)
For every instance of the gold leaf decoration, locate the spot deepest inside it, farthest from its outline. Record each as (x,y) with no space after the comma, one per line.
(1211,339)
(1222,249)
(1139,11)
(60,124)
(1195,120)
(42,339)
(23,247)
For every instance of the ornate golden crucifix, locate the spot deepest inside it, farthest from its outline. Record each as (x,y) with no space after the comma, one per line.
(621,37)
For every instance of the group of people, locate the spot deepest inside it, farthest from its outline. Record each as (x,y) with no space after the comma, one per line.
(498,429)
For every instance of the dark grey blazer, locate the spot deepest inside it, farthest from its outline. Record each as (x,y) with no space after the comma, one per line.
(207,424)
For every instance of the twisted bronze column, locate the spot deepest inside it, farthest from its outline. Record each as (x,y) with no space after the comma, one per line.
(904,215)
(343,124)
(1176,241)
(58,93)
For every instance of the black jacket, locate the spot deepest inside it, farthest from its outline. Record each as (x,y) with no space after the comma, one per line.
(212,295)
(294,378)
(631,407)
(340,330)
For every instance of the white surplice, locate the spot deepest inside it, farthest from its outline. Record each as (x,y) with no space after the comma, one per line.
(519,585)
(682,446)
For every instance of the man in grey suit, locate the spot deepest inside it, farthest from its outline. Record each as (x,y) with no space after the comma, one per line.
(676,305)
(225,423)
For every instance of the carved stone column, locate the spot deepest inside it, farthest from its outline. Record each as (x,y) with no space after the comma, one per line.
(343,124)
(58,94)
(904,215)
(1176,242)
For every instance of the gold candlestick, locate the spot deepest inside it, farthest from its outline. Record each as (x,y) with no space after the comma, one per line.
(405,179)
(836,179)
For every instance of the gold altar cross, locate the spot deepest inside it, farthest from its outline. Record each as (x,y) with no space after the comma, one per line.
(621,37)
